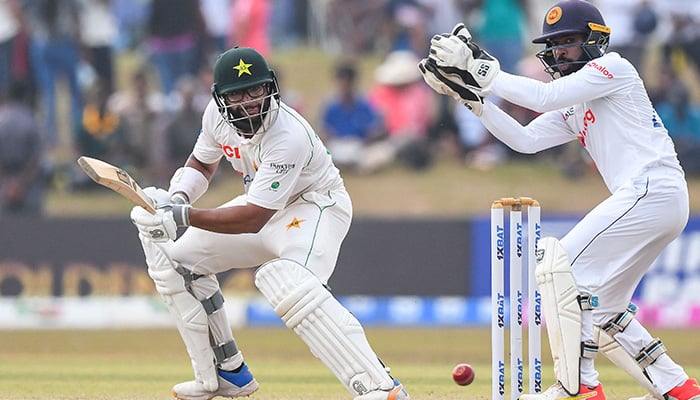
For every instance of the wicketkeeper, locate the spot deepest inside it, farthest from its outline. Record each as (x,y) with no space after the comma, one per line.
(588,278)
(290,222)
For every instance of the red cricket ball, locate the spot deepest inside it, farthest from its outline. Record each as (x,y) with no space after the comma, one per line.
(463,374)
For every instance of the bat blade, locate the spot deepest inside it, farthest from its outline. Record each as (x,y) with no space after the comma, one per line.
(116,179)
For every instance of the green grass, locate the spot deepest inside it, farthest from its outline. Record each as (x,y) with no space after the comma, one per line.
(144,364)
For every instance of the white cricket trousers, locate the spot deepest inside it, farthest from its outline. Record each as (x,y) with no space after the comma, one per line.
(612,248)
(308,231)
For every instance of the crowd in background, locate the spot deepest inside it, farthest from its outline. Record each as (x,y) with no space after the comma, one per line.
(61,96)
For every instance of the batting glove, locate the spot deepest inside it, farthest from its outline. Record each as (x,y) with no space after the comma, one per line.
(432,75)
(157,195)
(463,61)
(161,226)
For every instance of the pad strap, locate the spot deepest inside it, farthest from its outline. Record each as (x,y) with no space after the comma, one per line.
(213,303)
(187,275)
(589,349)
(620,322)
(650,353)
(587,302)
(225,351)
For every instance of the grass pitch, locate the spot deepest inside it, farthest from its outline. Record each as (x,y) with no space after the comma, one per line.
(144,364)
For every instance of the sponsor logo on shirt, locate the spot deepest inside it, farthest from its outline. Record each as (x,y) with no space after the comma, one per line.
(588,118)
(230,151)
(282,168)
(600,68)
(569,113)
(247,179)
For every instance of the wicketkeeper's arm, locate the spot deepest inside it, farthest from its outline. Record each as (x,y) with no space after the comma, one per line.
(546,131)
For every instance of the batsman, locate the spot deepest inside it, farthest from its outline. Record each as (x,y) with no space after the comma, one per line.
(587,278)
(289,223)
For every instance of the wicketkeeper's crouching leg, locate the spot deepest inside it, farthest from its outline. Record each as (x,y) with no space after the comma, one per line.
(196,302)
(332,333)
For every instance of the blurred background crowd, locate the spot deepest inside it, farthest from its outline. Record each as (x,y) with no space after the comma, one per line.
(126,81)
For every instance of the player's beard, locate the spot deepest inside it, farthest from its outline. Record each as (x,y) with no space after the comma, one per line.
(571,65)
(250,116)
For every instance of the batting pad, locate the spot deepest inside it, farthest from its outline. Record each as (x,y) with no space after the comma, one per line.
(624,360)
(562,312)
(332,333)
(190,316)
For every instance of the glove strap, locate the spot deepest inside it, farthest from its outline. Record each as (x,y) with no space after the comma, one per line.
(181,214)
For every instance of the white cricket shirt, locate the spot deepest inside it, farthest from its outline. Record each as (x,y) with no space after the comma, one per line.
(604,105)
(276,166)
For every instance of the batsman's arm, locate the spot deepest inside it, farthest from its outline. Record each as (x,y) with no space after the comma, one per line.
(191,181)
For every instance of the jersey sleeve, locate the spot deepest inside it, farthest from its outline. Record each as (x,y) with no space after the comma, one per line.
(599,78)
(206,149)
(546,131)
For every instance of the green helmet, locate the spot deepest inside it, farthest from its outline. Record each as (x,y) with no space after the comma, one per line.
(238,70)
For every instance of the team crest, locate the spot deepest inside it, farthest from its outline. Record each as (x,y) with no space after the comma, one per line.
(296,223)
(553,16)
(243,68)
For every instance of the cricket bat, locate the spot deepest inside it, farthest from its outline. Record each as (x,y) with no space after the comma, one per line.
(116,179)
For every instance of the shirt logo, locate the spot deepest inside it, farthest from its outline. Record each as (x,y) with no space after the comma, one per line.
(588,117)
(282,168)
(243,68)
(230,151)
(600,68)
(554,15)
(296,223)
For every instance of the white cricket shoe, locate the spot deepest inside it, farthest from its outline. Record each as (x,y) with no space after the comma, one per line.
(557,392)
(397,393)
(231,384)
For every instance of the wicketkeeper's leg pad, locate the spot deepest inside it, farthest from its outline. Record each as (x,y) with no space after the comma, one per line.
(561,304)
(190,315)
(332,333)
(634,365)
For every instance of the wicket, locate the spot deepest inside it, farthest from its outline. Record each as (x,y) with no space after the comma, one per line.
(515,255)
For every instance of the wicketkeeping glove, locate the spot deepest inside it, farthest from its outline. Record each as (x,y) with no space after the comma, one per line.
(433,76)
(463,61)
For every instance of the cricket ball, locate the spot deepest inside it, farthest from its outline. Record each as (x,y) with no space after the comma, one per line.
(463,374)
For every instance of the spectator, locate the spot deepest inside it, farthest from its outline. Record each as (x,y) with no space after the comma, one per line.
(132,22)
(682,120)
(248,26)
(406,106)
(353,25)
(101,134)
(54,28)
(175,29)
(285,17)
(350,122)
(10,28)
(22,175)
(216,23)
(502,26)
(680,32)
(178,132)
(99,36)
(632,21)
(406,26)
(140,107)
